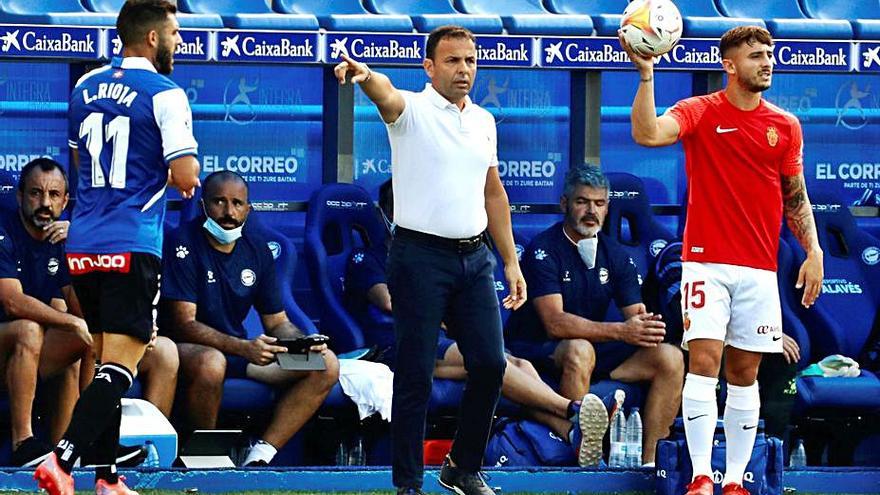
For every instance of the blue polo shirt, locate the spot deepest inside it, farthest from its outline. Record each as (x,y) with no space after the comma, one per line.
(223,286)
(39,265)
(552,265)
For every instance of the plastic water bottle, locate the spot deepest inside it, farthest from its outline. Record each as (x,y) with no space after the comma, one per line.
(152,460)
(798,455)
(356,455)
(634,439)
(617,455)
(342,454)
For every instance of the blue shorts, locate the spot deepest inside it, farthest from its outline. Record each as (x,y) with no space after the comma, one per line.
(236,366)
(609,355)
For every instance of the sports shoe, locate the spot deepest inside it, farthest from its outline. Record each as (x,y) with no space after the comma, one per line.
(30,452)
(126,456)
(259,463)
(701,485)
(52,478)
(589,425)
(118,488)
(463,482)
(734,489)
(410,491)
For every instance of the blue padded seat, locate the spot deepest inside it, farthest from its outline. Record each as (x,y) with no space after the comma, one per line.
(193,21)
(250,14)
(701,19)
(840,321)
(429,14)
(863,14)
(529,17)
(59,12)
(344,15)
(606,14)
(785,20)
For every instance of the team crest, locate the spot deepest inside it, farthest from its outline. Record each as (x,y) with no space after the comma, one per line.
(772,136)
(686,321)
(248,277)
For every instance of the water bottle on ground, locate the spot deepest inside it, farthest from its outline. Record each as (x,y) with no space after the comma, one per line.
(617,454)
(798,455)
(356,454)
(342,453)
(634,439)
(152,460)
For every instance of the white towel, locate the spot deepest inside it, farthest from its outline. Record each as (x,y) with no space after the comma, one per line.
(368,385)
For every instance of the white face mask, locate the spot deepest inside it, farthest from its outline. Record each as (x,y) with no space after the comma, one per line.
(587,250)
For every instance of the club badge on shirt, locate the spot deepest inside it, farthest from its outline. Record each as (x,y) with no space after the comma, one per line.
(772,136)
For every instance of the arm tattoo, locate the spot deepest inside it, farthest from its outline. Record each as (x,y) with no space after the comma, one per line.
(798,211)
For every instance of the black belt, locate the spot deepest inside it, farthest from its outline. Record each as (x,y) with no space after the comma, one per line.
(466,245)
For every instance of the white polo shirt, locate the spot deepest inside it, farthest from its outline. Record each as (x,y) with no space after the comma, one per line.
(440,156)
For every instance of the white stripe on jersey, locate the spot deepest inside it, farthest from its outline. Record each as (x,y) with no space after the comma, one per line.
(156,197)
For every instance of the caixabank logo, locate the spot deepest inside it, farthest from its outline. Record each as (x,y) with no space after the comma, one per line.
(505,51)
(812,56)
(267,46)
(869,56)
(49,41)
(195,45)
(369,48)
(606,53)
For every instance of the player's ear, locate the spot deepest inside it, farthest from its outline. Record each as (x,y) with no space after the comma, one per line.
(728,66)
(428,64)
(563,204)
(152,38)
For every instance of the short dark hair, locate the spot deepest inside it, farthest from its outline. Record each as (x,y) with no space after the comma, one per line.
(386,194)
(139,17)
(44,164)
(220,177)
(444,32)
(744,34)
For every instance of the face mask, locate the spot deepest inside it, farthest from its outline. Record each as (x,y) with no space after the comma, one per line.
(388,223)
(587,251)
(220,234)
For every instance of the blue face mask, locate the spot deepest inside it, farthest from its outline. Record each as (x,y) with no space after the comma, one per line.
(221,235)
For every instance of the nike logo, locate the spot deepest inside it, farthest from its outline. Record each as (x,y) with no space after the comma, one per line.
(747,427)
(691,418)
(776,337)
(721,130)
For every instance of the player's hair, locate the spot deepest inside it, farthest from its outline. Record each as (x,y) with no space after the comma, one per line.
(139,17)
(444,32)
(584,174)
(220,177)
(386,194)
(744,34)
(45,165)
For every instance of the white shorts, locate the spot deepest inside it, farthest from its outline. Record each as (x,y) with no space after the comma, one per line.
(738,305)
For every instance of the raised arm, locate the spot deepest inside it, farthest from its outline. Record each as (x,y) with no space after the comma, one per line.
(647,128)
(376,86)
(799,215)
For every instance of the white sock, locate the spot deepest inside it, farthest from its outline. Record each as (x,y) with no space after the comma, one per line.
(740,426)
(260,451)
(698,405)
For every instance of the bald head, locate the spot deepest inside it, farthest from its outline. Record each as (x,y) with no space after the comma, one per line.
(221,178)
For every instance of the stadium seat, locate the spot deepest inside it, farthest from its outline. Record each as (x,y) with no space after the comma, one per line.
(606,14)
(195,21)
(529,17)
(429,14)
(785,20)
(840,321)
(340,218)
(864,15)
(250,14)
(62,12)
(344,15)
(701,19)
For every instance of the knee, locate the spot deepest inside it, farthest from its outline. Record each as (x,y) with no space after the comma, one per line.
(579,356)
(28,337)
(669,362)
(523,365)
(328,377)
(207,368)
(166,356)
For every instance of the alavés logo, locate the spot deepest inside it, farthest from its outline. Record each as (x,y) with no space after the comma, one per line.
(51,41)
(840,286)
(293,47)
(369,47)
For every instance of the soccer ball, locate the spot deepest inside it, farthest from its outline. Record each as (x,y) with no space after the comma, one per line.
(651,27)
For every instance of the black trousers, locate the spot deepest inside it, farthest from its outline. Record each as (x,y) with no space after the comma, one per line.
(430,284)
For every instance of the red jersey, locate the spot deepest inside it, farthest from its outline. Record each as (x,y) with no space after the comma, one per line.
(734,163)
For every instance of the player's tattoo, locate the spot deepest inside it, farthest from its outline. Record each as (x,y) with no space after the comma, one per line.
(798,211)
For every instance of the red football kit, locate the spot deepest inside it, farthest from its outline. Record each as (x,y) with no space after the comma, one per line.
(734,160)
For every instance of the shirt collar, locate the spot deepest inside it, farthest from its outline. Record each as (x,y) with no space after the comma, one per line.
(440,101)
(133,63)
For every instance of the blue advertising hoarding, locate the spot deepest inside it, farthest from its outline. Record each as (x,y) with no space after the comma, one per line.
(263,122)
(375,48)
(869,56)
(196,46)
(50,41)
(267,46)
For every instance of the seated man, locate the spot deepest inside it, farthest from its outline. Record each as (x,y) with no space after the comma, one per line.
(38,336)
(212,276)
(583,422)
(573,272)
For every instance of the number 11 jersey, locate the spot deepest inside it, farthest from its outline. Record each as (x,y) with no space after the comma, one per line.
(127,122)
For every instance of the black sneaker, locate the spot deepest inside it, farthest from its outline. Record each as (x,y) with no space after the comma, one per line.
(126,456)
(259,463)
(463,482)
(410,491)
(30,452)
